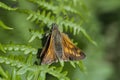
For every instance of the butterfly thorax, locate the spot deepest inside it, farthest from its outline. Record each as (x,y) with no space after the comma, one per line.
(57,43)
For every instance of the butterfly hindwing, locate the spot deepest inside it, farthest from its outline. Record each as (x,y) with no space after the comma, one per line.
(71,52)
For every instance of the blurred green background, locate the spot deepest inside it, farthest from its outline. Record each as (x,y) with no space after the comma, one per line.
(102,23)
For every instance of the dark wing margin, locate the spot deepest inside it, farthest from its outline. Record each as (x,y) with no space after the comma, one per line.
(71,52)
(47,55)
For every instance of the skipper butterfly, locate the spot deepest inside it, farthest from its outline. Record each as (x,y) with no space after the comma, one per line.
(59,47)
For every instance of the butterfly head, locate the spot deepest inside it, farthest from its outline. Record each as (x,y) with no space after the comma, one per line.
(54,27)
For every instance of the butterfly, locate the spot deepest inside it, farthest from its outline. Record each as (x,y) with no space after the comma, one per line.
(58,46)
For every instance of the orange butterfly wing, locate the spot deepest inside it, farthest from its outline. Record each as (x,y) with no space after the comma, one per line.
(71,52)
(48,53)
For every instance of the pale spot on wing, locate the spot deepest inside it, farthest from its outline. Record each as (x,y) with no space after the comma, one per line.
(70,46)
(66,49)
(78,51)
(77,55)
(70,51)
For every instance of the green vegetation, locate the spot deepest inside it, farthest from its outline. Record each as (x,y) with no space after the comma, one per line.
(23,24)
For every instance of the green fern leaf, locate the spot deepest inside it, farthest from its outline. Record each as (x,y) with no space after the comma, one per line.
(24,48)
(36,34)
(4,26)
(2,73)
(11,62)
(4,6)
(1,48)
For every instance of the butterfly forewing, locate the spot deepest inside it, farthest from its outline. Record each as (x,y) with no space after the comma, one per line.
(71,52)
(48,53)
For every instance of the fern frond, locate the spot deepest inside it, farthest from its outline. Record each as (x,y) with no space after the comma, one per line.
(47,20)
(53,8)
(40,16)
(2,73)
(45,17)
(24,68)
(81,66)
(36,34)
(57,73)
(44,4)
(76,29)
(14,75)
(39,72)
(42,70)
(70,9)
(4,6)
(24,48)
(2,48)
(4,26)
(11,62)
(88,37)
